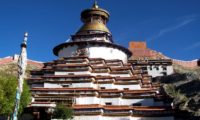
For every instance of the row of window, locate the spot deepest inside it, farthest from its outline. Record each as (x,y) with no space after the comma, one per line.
(157,68)
(133,104)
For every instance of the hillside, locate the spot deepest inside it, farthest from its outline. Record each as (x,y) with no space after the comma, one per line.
(9,64)
(184,87)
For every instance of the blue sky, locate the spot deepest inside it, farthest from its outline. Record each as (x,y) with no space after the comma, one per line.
(169,26)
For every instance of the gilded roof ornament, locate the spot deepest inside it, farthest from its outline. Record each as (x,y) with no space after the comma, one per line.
(95,5)
(94,19)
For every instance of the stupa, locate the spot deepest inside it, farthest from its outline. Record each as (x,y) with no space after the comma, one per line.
(93,76)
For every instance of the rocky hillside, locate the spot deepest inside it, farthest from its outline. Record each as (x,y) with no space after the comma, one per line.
(184,87)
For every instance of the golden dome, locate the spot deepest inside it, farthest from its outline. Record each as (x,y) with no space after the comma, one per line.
(94,19)
(93,26)
(95,10)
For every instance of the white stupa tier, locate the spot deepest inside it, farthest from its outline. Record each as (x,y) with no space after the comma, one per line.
(92,49)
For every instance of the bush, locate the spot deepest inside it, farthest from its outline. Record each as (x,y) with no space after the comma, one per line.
(62,112)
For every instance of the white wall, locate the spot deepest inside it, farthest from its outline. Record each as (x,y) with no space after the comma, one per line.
(70,85)
(107,86)
(90,84)
(121,75)
(83,117)
(104,52)
(114,101)
(131,87)
(154,72)
(95,100)
(170,70)
(52,85)
(78,85)
(116,118)
(76,73)
(120,118)
(87,100)
(67,52)
(152,118)
(107,53)
(102,74)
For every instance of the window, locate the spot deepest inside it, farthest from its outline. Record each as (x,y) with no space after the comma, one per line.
(108,103)
(150,67)
(164,73)
(136,104)
(144,68)
(164,68)
(157,67)
(102,87)
(126,88)
(70,73)
(65,85)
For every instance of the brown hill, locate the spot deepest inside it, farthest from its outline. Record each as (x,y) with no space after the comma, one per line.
(9,64)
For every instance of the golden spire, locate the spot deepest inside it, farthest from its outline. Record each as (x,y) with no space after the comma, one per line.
(95,5)
(94,19)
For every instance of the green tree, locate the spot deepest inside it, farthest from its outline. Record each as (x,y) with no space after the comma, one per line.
(8,85)
(62,112)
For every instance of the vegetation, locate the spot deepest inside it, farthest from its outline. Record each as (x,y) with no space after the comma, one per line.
(8,85)
(62,112)
(179,98)
(183,86)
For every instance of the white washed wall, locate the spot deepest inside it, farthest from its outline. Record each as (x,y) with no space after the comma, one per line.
(107,86)
(78,85)
(121,75)
(52,85)
(83,117)
(152,118)
(104,52)
(120,118)
(131,87)
(116,118)
(170,70)
(107,53)
(87,100)
(154,72)
(114,101)
(66,73)
(102,74)
(67,51)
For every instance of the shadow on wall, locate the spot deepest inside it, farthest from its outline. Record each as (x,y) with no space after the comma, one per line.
(171,79)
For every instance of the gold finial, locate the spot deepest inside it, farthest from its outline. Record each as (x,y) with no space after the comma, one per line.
(25,37)
(95,5)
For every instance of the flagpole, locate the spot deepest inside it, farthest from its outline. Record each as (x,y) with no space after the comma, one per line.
(22,63)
